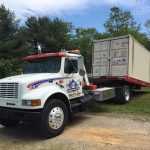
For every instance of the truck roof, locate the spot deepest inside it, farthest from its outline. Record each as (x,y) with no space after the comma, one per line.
(47,55)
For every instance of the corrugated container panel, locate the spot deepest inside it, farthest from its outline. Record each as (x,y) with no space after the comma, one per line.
(139,64)
(121,43)
(102,46)
(121,56)
(100,70)
(101,56)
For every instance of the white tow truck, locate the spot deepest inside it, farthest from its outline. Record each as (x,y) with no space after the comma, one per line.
(51,86)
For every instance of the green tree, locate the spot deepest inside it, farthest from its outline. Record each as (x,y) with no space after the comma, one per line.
(120,22)
(9,41)
(52,34)
(147,25)
(83,40)
(9,67)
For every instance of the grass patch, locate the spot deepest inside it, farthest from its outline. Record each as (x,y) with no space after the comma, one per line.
(140,104)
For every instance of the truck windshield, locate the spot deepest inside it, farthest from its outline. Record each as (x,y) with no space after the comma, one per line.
(50,65)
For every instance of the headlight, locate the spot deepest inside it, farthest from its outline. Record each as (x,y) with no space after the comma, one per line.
(35,102)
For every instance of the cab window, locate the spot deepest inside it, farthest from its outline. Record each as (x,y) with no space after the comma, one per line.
(71,66)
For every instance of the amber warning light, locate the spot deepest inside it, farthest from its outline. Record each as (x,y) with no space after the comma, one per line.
(76,51)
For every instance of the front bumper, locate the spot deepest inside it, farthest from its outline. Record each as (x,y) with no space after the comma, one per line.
(20,114)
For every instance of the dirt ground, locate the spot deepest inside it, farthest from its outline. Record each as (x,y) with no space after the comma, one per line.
(85,132)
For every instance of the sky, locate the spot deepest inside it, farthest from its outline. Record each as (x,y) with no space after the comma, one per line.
(82,13)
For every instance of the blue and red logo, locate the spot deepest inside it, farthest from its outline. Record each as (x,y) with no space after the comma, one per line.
(73,86)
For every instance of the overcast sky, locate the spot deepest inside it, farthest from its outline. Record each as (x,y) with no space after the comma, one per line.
(82,13)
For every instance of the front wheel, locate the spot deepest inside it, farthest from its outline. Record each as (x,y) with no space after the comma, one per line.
(123,94)
(54,118)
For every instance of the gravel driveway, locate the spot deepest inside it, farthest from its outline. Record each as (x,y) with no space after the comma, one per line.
(85,132)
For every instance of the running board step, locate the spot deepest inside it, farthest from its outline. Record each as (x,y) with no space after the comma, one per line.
(76,105)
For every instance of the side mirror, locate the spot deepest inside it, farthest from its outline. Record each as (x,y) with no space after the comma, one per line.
(82,72)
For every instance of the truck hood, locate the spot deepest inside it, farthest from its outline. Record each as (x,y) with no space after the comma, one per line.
(27,78)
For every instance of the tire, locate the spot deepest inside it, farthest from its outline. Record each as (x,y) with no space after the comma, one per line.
(9,123)
(123,95)
(54,111)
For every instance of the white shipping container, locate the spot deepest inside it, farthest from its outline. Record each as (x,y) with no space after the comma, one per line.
(120,57)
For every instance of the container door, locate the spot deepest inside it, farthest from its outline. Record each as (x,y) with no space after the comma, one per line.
(101,58)
(119,57)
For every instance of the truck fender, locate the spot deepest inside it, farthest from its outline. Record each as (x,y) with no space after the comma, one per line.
(45,93)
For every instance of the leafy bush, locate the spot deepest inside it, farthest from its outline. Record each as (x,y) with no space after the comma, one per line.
(9,67)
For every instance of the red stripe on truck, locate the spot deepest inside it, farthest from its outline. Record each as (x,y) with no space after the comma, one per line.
(136,81)
(44,55)
(126,78)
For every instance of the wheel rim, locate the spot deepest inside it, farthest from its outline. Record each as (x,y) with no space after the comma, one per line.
(56,118)
(127,94)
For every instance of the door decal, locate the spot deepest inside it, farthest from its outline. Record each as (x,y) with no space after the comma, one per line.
(73,86)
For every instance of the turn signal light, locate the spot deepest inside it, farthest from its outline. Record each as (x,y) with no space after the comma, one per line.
(36,102)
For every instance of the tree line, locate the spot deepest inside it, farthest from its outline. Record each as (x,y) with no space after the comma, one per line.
(56,34)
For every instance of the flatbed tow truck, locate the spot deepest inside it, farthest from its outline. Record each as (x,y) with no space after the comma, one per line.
(51,86)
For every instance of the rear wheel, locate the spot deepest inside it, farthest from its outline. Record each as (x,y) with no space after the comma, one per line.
(123,94)
(54,118)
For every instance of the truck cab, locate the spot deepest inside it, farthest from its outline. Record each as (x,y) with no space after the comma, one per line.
(51,84)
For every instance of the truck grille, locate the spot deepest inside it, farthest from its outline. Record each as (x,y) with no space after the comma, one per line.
(9,90)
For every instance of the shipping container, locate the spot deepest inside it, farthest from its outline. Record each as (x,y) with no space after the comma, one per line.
(121,59)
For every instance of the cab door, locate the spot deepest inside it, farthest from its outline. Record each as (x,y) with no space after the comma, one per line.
(73,81)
